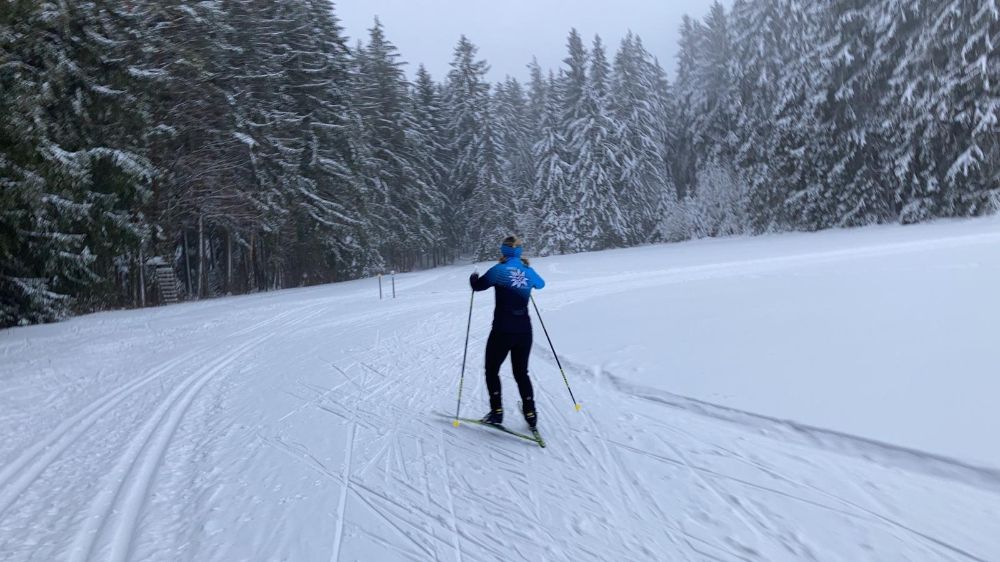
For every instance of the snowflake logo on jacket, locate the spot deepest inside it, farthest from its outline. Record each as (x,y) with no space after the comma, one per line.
(517,278)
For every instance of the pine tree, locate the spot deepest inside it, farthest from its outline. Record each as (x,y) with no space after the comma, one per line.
(551,188)
(634,89)
(427,135)
(573,84)
(382,100)
(330,234)
(190,138)
(466,104)
(596,219)
(849,145)
(71,174)
(786,197)
(518,169)
(962,91)
(489,208)
(294,216)
(668,205)
(537,94)
(715,103)
(579,225)
(685,157)
(763,49)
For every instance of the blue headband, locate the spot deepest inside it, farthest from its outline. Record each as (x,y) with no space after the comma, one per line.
(509,252)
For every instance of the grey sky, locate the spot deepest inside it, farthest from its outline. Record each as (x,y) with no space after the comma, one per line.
(509,32)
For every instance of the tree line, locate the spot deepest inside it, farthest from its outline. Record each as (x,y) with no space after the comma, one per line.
(248,145)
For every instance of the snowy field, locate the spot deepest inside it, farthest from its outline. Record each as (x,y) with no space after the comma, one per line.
(825,396)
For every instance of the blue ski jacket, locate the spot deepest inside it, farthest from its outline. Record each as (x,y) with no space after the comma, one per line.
(513,282)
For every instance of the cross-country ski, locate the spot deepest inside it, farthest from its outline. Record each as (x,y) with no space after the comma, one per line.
(535,437)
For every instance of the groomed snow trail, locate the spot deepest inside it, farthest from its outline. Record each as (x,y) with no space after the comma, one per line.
(303,425)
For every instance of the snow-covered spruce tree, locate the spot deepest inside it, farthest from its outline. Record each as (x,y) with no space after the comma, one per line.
(791,193)
(302,150)
(664,106)
(848,148)
(71,177)
(967,105)
(489,209)
(573,83)
(639,134)
(705,120)
(466,105)
(684,162)
(111,123)
(537,90)
(537,93)
(909,106)
(579,226)
(426,136)
(705,94)
(185,57)
(597,218)
(33,243)
(719,207)
(715,102)
(237,222)
(330,203)
(551,188)
(517,167)
(264,147)
(382,99)
(763,32)
(939,148)
(302,217)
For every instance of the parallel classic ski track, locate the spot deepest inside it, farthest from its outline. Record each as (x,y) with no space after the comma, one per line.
(135,470)
(139,465)
(115,512)
(19,474)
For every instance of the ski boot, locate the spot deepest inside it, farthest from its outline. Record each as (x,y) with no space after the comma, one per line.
(532,419)
(495,417)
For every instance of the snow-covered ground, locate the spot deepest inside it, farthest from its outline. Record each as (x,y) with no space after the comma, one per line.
(821,396)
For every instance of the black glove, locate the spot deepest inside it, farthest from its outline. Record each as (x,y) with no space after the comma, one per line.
(473,278)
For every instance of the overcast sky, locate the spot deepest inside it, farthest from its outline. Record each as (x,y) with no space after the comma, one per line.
(509,32)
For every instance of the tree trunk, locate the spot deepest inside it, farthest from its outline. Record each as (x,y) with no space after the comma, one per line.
(201,256)
(229,262)
(187,264)
(248,264)
(277,270)
(142,277)
(254,258)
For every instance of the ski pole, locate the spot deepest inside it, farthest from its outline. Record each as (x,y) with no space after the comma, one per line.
(561,371)
(461,380)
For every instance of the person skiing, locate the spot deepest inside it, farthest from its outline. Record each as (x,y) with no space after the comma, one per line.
(512,280)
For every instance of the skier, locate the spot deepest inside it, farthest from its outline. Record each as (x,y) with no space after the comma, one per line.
(512,280)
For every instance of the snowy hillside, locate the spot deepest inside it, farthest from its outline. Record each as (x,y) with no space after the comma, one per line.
(821,396)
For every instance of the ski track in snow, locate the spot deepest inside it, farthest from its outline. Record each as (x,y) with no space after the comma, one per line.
(300,425)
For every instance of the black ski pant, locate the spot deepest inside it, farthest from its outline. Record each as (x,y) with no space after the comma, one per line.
(518,346)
